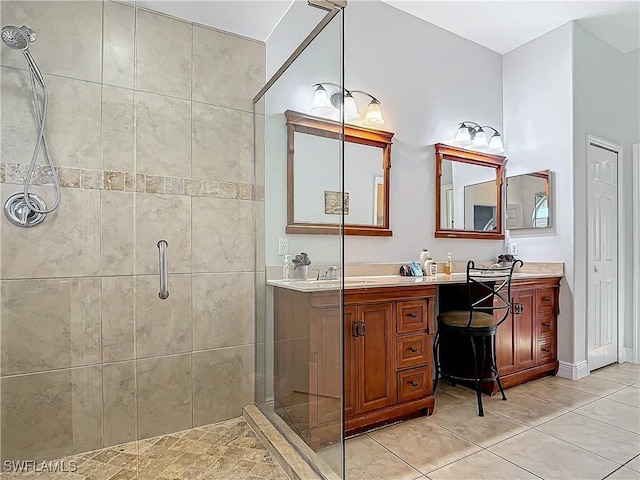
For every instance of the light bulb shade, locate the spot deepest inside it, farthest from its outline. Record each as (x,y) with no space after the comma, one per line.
(496,142)
(373,116)
(480,139)
(463,137)
(321,104)
(350,109)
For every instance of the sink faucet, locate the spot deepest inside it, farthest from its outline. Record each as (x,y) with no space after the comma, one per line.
(330,274)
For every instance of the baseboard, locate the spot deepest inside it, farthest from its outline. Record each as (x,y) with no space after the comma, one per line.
(629,356)
(573,371)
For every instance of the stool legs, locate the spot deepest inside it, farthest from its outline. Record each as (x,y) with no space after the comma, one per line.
(478,369)
(494,366)
(436,344)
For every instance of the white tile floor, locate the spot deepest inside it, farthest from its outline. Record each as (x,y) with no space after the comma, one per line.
(552,428)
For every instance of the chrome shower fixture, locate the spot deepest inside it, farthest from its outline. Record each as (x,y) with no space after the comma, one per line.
(18,38)
(26,209)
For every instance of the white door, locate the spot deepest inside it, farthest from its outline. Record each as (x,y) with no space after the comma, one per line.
(602,251)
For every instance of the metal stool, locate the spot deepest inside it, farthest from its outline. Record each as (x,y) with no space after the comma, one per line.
(489,293)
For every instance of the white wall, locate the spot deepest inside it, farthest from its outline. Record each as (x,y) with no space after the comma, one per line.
(606,105)
(538,133)
(428,80)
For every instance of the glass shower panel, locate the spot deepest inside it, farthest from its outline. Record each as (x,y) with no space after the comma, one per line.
(299,328)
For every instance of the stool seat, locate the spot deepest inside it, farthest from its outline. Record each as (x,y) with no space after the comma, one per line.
(459,318)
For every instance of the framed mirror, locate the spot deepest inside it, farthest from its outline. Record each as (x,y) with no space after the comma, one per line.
(314,202)
(528,201)
(468,193)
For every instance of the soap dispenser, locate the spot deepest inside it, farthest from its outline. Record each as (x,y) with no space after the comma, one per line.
(286,269)
(447,266)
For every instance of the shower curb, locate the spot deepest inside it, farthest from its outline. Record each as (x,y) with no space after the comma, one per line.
(289,459)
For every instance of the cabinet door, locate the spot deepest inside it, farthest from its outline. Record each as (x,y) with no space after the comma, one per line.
(376,359)
(526,325)
(350,362)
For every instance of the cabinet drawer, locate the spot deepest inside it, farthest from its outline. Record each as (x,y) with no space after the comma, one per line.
(411,316)
(414,384)
(546,351)
(413,350)
(546,324)
(546,300)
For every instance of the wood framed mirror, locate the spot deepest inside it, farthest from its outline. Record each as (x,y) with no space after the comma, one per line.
(314,205)
(469,194)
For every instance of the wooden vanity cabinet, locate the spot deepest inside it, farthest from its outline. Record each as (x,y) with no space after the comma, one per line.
(388,373)
(526,340)
(387,335)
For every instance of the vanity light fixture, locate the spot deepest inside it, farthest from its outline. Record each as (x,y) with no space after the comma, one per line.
(324,105)
(470,133)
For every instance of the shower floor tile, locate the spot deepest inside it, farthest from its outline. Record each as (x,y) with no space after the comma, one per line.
(228,450)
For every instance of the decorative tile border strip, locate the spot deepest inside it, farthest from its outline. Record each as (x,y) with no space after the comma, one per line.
(69,177)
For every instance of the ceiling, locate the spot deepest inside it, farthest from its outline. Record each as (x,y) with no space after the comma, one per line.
(505,25)
(498,25)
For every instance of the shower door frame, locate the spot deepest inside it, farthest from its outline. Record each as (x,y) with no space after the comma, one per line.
(333,8)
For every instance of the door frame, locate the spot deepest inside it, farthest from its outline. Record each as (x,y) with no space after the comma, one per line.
(592,140)
(636,252)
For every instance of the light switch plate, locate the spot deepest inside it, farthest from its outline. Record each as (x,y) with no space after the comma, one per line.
(283,246)
(513,248)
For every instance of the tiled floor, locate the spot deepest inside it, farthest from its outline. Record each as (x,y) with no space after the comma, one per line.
(551,428)
(228,450)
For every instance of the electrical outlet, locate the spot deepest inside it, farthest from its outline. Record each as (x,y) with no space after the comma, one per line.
(513,248)
(283,246)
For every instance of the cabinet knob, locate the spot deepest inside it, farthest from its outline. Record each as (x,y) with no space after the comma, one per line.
(546,350)
(412,315)
(413,350)
(414,384)
(546,324)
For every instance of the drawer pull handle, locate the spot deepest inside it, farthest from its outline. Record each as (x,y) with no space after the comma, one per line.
(413,349)
(412,315)
(414,384)
(546,324)
(547,350)
(546,299)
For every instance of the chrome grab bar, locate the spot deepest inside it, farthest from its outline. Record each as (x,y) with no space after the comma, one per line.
(163,269)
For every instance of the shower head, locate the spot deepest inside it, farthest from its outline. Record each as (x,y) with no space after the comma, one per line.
(18,38)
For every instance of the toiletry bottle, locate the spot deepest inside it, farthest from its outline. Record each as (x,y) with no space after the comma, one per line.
(433,268)
(447,267)
(427,262)
(285,268)
(424,255)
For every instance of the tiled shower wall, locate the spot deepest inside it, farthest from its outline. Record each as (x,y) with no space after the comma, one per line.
(150,126)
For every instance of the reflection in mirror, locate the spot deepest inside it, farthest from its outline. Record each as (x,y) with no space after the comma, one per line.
(528,201)
(468,193)
(316,202)
(317,190)
(467,204)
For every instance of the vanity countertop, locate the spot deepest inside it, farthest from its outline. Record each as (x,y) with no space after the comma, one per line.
(388,281)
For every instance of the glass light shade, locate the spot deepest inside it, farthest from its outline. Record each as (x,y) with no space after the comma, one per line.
(480,140)
(321,104)
(373,116)
(462,136)
(350,109)
(496,142)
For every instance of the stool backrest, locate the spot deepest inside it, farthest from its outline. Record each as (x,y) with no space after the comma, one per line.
(489,289)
